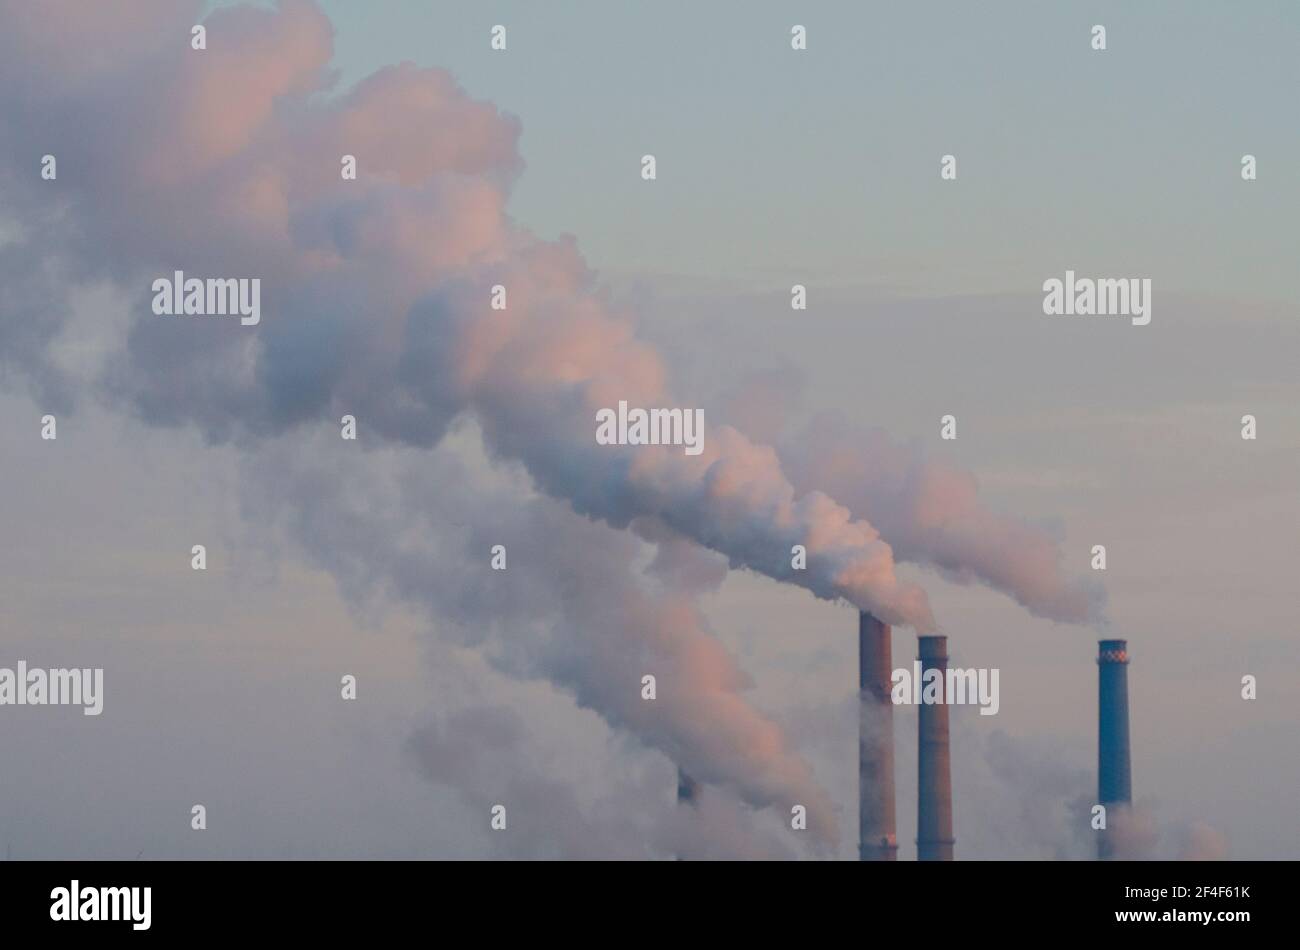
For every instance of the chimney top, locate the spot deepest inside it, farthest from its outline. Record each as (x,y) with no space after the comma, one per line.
(932,648)
(1112,651)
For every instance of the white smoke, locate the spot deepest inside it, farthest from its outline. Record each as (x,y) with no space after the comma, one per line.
(375,304)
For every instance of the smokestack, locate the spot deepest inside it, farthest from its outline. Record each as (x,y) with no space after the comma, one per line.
(1113,779)
(687,789)
(934,838)
(876,840)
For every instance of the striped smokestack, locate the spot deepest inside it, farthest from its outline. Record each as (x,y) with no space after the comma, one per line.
(1114,789)
(934,839)
(876,840)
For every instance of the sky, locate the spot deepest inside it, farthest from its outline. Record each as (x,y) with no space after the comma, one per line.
(775,167)
(826,164)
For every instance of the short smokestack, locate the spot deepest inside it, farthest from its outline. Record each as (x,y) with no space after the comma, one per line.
(687,792)
(876,838)
(1114,782)
(934,838)
(687,789)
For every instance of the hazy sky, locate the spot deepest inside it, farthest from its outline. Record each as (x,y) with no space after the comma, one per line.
(774,167)
(827,164)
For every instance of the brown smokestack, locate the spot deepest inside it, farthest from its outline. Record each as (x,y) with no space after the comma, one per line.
(876,839)
(934,839)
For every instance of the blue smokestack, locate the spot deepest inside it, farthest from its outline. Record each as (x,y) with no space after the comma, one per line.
(1114,782)
(934,840)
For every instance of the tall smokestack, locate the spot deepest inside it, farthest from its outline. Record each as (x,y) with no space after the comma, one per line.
(1114,783)
(876,840)
(934,838)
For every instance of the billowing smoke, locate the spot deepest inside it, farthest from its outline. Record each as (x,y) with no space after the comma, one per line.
(225,162)
(932,514)
(580,604)
(488,754)
(218,163)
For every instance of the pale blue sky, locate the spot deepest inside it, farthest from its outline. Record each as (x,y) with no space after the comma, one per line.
(825,162)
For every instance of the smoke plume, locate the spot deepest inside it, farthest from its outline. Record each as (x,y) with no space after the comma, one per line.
(932,514)
(587,607)
(225,162)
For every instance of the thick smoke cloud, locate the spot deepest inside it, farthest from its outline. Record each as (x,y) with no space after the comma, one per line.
(375,294)
(582,605)
(224,162)
(929,510)
(932,514)
(489,755)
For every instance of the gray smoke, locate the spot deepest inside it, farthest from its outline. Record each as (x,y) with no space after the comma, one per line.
(225,163)
(230,167)
(582,605)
